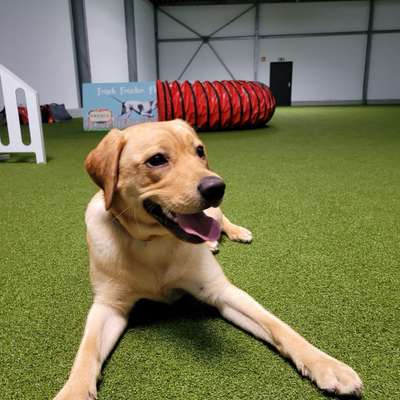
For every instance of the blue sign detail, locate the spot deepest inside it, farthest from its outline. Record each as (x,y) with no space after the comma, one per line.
(118,105)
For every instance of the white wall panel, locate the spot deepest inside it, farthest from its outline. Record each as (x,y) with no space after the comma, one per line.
(324,68)
(313,17)
(36,44)
(145,40)
(168,28)
(238,55)
(107,40)
(244,25)
(203,19)
(206,67)
(384,79)
(387,14)
(173,57)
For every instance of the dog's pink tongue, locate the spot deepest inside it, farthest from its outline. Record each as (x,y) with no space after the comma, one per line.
(201,225)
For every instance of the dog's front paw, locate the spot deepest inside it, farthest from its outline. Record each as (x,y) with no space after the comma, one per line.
(70,392)
(333,376)
(239,234)
(213,246)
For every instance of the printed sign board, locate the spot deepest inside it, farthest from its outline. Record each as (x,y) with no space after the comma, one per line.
(118,105)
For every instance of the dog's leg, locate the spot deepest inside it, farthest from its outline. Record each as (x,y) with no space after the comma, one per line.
(213,246)
(104,326)
(238,307)
(235,232)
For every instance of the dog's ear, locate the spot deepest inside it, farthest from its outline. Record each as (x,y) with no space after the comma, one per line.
(102,163)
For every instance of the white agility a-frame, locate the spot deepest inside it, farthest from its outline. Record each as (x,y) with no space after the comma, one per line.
(10,84)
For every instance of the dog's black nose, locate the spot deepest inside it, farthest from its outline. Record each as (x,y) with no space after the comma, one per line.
(212,190)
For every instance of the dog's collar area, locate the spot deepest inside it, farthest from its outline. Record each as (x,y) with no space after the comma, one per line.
(115,221)
(179,225)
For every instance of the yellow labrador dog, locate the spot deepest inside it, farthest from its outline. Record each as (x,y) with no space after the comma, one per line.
(147,232)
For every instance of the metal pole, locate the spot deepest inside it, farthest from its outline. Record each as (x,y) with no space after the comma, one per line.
(81,44)
(221,61)
(190,61)
(256,40)
(180,22)
(155,15)
(282,35)
(131,39)
(177,40)
(232,20)
(311,34)
(368,52)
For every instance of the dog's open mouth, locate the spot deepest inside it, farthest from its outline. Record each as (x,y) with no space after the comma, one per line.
(193,228)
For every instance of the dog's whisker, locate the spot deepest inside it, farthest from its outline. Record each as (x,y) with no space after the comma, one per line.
(169,212)
(136,221)
(116,216)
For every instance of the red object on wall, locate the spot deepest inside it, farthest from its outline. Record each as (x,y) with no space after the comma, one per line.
(216,105)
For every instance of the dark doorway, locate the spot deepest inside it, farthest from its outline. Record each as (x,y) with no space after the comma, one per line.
(280,82)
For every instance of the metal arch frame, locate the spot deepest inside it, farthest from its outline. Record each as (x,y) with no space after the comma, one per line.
(369,32)
(367,59)
(205,40)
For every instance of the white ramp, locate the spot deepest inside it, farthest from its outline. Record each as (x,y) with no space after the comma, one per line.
(10,83)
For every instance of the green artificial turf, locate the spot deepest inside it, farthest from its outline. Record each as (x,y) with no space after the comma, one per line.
(320,190)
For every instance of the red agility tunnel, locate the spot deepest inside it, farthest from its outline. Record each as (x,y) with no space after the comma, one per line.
(216,105)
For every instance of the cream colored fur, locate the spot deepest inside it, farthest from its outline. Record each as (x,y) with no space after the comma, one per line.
(134,257)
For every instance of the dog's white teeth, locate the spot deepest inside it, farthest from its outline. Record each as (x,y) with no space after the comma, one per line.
(170,215)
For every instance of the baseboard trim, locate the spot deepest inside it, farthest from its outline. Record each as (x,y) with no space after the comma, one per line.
(345,102)
(327,103)
(77,112)
(385,101)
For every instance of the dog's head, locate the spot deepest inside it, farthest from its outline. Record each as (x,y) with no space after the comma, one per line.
(159,172)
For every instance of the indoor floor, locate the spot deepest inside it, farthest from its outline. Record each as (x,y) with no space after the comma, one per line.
(319,187)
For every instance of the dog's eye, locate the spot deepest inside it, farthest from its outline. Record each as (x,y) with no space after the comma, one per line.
(157,160)
(200,151)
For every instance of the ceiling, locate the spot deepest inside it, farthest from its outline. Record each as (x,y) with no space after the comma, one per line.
(208,2)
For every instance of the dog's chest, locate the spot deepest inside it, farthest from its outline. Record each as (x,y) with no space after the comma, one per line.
(156,267)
